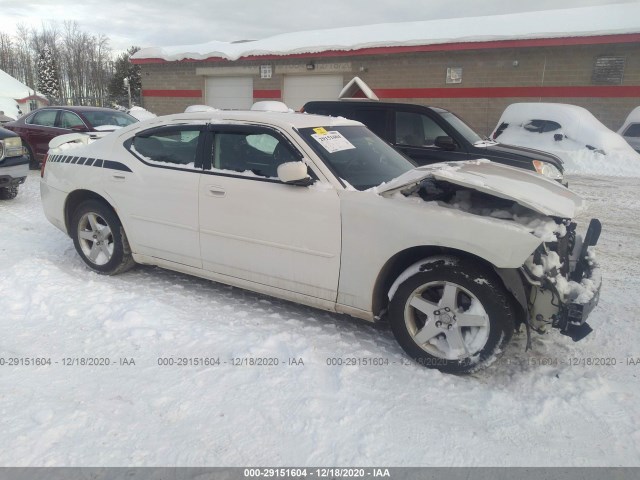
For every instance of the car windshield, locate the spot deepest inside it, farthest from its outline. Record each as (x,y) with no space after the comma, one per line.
(101,118)
(465,130)
(356,155)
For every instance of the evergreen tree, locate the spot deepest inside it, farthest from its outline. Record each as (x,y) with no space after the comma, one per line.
(48,74)
(123,68)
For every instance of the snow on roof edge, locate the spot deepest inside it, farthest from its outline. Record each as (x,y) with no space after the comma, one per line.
(613,19)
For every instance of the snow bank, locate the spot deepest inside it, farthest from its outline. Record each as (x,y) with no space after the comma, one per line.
(588,21)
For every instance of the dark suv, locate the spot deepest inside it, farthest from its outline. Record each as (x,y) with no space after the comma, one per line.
(431,135)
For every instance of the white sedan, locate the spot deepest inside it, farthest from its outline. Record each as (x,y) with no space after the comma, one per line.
(320,211)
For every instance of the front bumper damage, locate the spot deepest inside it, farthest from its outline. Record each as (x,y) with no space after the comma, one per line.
(564,282)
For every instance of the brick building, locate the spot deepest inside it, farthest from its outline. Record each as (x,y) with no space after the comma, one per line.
(588,57)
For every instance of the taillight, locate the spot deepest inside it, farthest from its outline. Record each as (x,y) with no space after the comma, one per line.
(44,162)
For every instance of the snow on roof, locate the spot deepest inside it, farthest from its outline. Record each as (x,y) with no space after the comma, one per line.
(13,88)
(575,22)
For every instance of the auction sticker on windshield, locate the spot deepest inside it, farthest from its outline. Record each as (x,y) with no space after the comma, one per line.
(333,141)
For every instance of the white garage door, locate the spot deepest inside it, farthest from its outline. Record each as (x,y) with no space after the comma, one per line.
(229,92)
(299,89)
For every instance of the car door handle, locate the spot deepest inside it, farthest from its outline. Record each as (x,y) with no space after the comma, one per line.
(216,191)
(118,178)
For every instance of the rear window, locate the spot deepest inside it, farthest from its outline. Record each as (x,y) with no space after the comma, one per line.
(101,118)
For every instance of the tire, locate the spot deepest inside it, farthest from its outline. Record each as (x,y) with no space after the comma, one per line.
(100,239)
(34,164)
(432,301)
(9,193)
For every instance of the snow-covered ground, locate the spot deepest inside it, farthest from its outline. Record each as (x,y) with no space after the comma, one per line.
(517,412)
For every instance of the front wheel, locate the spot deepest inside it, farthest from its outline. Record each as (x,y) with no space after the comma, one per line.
(100,239)
(451,314)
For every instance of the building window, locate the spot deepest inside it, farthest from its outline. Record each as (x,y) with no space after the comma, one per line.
(608,70)
(454,75)
(265,71)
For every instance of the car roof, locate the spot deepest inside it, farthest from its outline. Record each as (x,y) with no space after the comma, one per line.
(373,104)
(280,119)
(77,108)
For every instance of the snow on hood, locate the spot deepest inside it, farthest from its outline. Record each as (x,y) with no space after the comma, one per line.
(586,21)
(530,190)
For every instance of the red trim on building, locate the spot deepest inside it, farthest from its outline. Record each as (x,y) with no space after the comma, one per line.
(172,93)
(267,94)
(441,47)
(507,92)
(32,97)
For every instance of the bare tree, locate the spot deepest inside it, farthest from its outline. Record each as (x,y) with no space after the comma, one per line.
(84,60)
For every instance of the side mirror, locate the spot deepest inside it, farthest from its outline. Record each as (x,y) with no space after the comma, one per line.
(294,173)
(445,142)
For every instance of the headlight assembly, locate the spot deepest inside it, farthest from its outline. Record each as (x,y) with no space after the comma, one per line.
(10,147)
(547,169)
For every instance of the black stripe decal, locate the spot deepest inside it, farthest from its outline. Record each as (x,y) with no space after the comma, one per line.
(115,166)
(90,162)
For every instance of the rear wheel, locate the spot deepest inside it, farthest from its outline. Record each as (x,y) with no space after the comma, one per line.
(34,163)
(451,314)
(100,239)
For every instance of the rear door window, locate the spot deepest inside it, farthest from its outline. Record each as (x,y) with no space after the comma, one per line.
(44,118)
(416,130)
(170,146)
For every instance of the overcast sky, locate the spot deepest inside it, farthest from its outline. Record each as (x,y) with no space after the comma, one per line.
(181,22)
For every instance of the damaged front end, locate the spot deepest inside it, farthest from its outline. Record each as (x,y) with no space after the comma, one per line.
(559,284)
(564,281)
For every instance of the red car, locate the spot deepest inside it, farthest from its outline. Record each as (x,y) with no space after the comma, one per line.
(38,127)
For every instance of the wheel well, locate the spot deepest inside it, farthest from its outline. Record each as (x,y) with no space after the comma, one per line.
(402,260)
(74,199)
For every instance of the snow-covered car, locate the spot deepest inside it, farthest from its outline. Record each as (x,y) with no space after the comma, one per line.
(320,211)
(568,131)
(14,165)
(630,129)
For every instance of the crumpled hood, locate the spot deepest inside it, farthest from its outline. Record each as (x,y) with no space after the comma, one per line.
(528,189)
